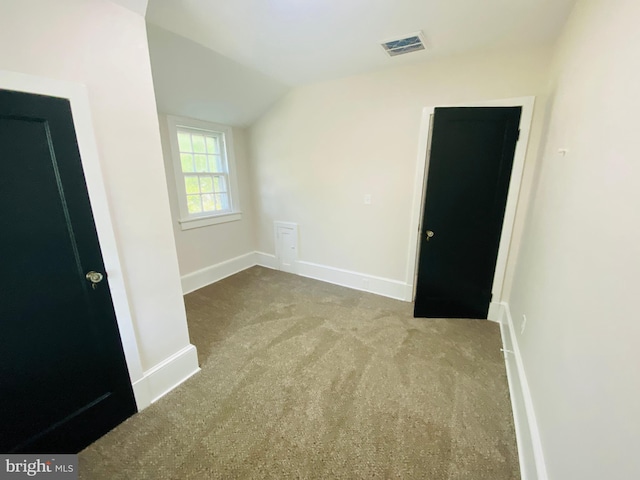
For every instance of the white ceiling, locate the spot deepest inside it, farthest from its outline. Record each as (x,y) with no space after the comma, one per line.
(138,6)
(303,41)
(193,81)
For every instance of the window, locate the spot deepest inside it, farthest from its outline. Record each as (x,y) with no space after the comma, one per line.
(204,167)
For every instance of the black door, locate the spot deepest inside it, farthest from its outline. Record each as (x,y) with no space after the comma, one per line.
(469,172)
(63,377)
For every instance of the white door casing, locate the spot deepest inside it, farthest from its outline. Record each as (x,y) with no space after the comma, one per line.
(85,136)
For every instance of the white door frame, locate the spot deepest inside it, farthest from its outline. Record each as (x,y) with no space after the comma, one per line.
(85,134)
(422,167)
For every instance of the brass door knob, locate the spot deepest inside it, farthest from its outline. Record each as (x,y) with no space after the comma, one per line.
(94,278)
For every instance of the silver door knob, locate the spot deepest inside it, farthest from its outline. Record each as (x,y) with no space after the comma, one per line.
(429,234)
(94,277)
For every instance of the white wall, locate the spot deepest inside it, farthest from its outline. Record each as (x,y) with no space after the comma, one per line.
(577,277)
(104,46)
(204,247)
(319,150)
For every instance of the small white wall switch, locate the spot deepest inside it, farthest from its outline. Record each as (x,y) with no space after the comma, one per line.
(367,199)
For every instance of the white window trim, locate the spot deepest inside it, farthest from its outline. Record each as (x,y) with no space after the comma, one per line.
(186,220)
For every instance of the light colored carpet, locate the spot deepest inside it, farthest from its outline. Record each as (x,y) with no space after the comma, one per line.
(303,379)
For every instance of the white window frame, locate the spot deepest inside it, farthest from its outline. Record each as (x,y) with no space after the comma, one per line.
(189,220)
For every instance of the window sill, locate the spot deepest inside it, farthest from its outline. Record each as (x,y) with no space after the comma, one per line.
(190,223)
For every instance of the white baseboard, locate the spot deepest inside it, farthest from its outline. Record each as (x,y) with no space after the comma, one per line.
(358,281)
(214,273)
(167,375)
(266,260)
(530,454)
(338,276)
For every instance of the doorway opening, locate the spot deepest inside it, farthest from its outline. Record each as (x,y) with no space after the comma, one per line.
(526,105)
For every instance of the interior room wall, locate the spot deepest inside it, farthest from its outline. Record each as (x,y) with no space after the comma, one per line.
(577,274)
(200,248)
(104,46)
(323,147)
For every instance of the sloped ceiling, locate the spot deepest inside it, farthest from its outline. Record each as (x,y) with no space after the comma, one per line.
(303,41)
(228,61)
(138,6)
(193,81)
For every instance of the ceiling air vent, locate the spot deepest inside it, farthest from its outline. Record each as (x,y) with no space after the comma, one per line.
(407,44)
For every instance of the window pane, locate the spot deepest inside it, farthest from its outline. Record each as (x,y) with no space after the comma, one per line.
(201,163)
(186,160)
(222,201)
(191,184)
(184,142)
(213,145)
(205,170)
(219,184)
(206,185)
(215,163)
(193,203)
(198,144)
(208,203)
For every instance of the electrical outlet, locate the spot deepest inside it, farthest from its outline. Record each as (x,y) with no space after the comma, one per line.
(524,323)
(367,199)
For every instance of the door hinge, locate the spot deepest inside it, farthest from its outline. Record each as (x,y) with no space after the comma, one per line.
(518,135)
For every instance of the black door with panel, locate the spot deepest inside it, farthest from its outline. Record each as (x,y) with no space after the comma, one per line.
(63,377)
(470,166)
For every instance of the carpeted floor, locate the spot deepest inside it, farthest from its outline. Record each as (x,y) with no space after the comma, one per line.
(303,379)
